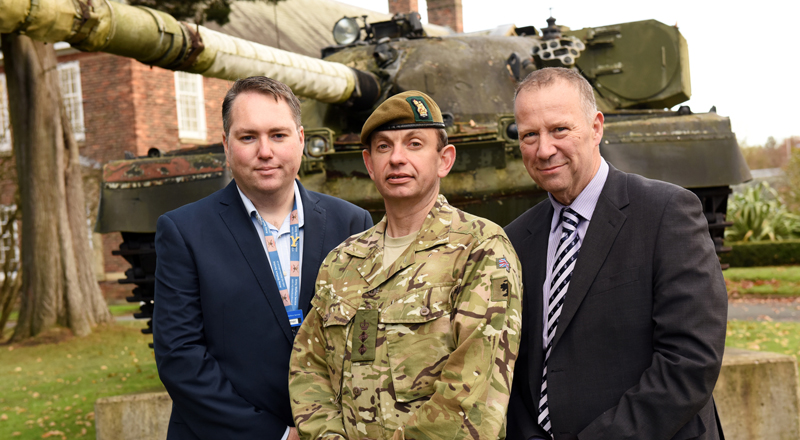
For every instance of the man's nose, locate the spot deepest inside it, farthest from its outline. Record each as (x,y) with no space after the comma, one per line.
(264,148)
(547,147)
(398,155)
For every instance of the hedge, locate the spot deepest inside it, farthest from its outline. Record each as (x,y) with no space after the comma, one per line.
(762,253)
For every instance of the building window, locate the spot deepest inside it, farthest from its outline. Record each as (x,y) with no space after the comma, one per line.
(5,121)
(70,74)
(191,106)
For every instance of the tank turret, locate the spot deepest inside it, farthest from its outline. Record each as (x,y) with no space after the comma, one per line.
(637,70)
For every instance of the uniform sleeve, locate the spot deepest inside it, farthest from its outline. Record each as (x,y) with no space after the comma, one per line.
(472,393)
(689,313)
(203,395)
(315,407)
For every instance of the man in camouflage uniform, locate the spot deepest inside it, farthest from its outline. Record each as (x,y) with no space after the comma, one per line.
(415,326)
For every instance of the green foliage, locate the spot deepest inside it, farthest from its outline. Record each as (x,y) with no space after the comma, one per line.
(764,253)
(776,337)
(791,193)
(49,389)
(758,214)
(197,11)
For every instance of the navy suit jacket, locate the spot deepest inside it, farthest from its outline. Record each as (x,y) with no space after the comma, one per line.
(221,333)
(638,346)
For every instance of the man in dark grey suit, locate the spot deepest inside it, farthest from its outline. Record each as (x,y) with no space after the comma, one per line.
(624,305)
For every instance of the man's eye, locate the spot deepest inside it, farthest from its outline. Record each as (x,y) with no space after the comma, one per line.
(247,138)
(416,144)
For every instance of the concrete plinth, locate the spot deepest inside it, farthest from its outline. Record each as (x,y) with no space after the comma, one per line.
(133,416)
(758,396)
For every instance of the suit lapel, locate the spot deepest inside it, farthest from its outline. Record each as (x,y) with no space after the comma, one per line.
(607,220)
(532,248)
(314,224)
(241,228)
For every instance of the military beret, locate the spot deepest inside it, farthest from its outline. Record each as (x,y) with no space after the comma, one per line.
(412,109)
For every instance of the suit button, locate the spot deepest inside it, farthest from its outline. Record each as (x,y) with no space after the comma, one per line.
(356,391)
(325,318)
(424,311)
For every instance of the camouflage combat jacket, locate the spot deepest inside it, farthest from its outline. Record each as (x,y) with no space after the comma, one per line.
(423,349)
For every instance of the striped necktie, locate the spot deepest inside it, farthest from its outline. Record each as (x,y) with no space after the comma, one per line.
(566,255)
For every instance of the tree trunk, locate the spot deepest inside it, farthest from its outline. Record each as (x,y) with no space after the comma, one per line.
(58,284)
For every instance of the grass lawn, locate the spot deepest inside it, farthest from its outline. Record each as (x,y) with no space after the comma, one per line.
(777,337)
(49,385)
(115,309)
(777,281)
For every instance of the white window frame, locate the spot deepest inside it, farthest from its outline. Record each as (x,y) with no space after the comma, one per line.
(69,74)
(191,106)
(5,118)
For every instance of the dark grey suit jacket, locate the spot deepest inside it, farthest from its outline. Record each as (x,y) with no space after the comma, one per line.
(639,343)
(221,333)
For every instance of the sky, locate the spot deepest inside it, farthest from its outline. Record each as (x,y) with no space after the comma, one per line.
(744,57)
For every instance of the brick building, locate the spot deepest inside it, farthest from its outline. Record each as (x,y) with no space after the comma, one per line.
(118,105)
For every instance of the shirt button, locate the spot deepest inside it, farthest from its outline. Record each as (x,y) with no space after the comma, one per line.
(424,311)
(356,391)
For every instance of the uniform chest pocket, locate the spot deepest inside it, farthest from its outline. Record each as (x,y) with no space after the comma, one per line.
(419,339)
(335,318)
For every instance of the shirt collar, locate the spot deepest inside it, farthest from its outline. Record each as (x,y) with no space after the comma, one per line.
(586,201)
(248,205)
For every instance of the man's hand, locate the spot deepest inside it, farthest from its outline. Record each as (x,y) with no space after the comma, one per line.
(293,434)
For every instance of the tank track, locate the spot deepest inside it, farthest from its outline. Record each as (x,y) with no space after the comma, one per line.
(140,251)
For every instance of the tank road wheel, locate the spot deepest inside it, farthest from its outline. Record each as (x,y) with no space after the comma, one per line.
(715,206)
(140,251)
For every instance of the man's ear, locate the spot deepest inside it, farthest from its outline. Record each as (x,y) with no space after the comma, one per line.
(367,162)
(597,127)
(447,157)
(225,145)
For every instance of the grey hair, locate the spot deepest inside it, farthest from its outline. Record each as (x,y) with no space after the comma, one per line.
(548,76)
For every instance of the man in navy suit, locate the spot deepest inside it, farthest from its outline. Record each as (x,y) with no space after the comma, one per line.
(236,273)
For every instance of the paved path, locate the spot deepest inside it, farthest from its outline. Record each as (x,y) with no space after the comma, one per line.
(764,309)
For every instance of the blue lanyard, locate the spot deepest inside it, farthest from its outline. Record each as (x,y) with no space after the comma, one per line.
(290,295)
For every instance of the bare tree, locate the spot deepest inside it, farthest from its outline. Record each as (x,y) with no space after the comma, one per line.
(58,283)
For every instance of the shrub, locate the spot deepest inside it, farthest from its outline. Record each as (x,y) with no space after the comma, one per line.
(758,214)
(763,253)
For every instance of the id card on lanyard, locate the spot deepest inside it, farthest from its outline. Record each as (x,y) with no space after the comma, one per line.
(289,294)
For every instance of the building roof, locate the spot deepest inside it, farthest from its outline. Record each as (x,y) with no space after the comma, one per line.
(305,26)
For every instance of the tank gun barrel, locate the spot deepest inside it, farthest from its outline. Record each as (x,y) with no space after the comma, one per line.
(158,39)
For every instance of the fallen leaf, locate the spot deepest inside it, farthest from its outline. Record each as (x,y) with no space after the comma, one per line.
(3,417)
(103,367)
(18,369)
(52,433)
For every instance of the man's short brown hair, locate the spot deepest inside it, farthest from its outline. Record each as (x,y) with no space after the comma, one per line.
(264,86)
(541,78)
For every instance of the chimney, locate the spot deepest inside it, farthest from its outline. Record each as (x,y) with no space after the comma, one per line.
(403,6)
(445,13)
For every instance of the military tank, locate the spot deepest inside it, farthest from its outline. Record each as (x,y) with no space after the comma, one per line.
(637,71)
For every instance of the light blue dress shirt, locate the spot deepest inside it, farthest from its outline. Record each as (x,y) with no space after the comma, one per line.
(584,205)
